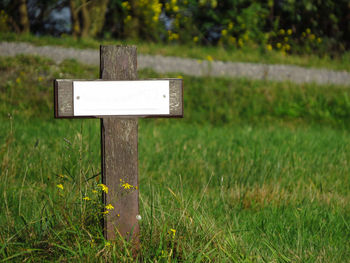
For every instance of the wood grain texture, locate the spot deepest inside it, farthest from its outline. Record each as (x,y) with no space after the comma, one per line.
(64,99)
(119,146)
(176,97)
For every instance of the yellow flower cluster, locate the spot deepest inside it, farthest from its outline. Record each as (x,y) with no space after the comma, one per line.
(172,232)
(148,10)
(104,188)
(126,185)
(210,58)
(108,207)
(3,21)
(283,44)
(126,5)
(151,10)
(172,35)
(212,3)
(172,6)
(227,36)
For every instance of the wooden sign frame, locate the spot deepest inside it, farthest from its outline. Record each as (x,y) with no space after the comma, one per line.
(64,102)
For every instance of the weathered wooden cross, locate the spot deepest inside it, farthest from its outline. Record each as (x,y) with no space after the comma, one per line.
(119,99)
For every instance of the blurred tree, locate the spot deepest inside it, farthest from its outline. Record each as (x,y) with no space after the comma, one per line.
(43,16)
(23,16)
(114,25)
(17,15)
(87,17)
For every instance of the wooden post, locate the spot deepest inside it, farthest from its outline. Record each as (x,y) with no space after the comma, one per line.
(119,149)
(119,99)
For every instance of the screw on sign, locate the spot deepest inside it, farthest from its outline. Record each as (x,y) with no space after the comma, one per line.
(119,99)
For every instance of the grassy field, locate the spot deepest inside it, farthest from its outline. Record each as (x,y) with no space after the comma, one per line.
(246,54)
(256,172)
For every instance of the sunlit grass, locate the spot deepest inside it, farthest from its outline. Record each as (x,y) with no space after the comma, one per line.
(212,188)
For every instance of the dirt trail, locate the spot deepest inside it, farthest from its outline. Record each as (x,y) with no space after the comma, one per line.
(186,66)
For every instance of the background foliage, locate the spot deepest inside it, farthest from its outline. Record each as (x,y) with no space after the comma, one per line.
(287,26)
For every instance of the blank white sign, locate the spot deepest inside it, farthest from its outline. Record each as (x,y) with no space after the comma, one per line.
(143,97)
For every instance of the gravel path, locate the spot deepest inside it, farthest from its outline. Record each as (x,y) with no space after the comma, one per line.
(187,66)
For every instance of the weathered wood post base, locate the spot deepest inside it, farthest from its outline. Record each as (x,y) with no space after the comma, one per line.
(119,150)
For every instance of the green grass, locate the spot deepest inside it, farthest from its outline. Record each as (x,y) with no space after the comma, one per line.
(267,183)
(247,54)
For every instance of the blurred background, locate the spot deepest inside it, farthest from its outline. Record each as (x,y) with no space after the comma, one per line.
(256,171)
(288,26)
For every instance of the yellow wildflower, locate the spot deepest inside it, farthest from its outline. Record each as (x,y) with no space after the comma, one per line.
(40,78)
(173,231)
(86,198)
(107,244)
(18,80)
(232,39)
(210,58)
(127,19)
(92,243)
(287,47)
(174,36)
(126,186)
(104,188)
(230,26)
(312,37)
(179,77)
(126,5)
(319,40)
(176,8)
(109,207)
(60,186)
(105,212)
(282,31)
(195,39)
(289,31)
(308,31)
(278,45)
(269,47)
(224,32)
(94,191)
